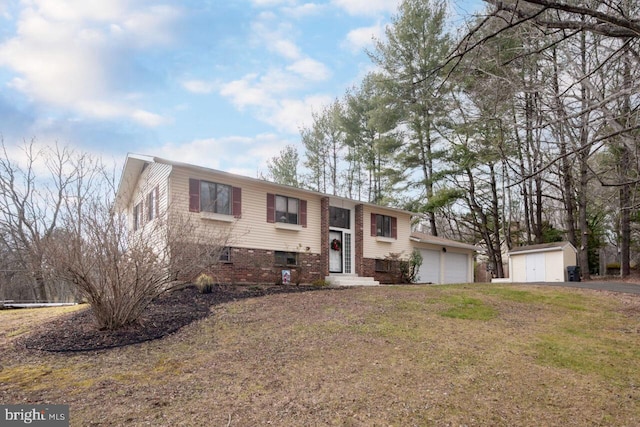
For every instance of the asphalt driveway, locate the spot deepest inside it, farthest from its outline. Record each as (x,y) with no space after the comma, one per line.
(628,288)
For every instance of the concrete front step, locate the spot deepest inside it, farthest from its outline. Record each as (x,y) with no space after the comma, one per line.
(351,280)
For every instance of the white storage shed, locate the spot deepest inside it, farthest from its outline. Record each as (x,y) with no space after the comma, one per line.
(546,262)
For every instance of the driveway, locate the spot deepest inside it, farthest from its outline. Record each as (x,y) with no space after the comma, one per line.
(628,288)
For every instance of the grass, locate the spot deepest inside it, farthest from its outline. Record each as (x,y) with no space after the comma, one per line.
(494,355)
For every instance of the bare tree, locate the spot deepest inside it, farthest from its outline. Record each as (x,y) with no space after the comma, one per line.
(31,206)
(118,270)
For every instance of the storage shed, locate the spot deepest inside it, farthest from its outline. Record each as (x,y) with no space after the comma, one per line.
(443,260)
(546,262)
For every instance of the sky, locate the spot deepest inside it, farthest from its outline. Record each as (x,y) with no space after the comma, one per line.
(225,84)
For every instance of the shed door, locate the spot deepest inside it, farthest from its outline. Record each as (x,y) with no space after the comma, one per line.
(429,271)
(456,268)
(535,267)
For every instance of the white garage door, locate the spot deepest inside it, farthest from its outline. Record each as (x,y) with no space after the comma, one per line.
(456,268)
(429,271)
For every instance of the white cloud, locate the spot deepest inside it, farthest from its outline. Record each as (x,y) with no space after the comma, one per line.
(199,86)
(215,153)
(367,7)
(310,69)
(292,114)
(68,53)
(248,91)
(307,9)
(362,38)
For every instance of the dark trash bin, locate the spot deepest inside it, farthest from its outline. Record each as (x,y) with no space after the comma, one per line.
(573,273)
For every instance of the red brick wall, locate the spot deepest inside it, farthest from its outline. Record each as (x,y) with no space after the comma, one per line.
(391,277)
(257,266)
(324,236)
(359,231)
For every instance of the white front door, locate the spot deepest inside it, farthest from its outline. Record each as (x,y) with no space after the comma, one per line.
(335,251)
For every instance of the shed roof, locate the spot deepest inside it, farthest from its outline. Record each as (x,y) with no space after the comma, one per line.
(543,247)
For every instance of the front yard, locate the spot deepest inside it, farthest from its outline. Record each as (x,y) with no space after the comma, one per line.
(394,356)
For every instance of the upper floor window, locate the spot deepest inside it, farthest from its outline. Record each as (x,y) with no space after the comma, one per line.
(287,209)
(152,204)
(206,196)
(384,226)
(339,217)
(215,198)
(284,209)
(137,216)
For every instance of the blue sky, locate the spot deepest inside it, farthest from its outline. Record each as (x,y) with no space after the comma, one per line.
(223,84)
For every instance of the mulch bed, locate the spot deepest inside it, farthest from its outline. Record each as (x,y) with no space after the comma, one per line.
(78,332)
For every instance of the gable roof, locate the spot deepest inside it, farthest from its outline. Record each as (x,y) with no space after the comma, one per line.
(434,240)
(543,247)
(135,164)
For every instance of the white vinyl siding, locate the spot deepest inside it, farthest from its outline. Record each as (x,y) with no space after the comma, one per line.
(252,229)
(374,247)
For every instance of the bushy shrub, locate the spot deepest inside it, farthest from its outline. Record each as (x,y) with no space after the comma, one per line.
(204,283)
(320,283)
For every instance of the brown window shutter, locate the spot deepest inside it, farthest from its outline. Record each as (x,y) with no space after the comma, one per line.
(394,227)
(303,213)
(373,225)
(237,202)
(271,207)
(194,195)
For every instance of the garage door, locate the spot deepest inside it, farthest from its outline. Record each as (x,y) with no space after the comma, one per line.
(456,268)
(429,271)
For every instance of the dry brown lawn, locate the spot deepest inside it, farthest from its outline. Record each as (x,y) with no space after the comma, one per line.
(475,355)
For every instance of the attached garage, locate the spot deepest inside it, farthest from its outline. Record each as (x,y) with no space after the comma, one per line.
(542,263)
(443,261)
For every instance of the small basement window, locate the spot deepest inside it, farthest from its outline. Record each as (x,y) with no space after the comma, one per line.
(286,258)
(383,265)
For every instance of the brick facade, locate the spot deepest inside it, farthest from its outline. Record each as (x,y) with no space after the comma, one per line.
(257,266)
(324,237)
(359,236)
(391,276)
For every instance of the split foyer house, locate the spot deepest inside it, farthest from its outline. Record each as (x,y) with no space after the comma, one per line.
(277,228)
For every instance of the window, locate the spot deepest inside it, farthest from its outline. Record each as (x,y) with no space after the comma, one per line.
(225,254)
(215,198)
(286,209)
(152,204)
(137,216)
(286,258)
(339,217)
(383,226)
(383,265)
(205,196)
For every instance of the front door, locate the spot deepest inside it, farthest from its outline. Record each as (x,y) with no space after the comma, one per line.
(335,251)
